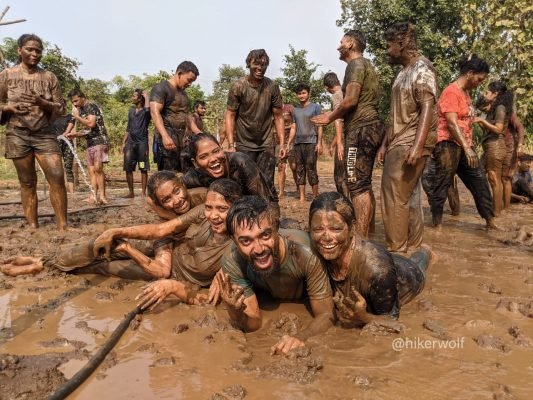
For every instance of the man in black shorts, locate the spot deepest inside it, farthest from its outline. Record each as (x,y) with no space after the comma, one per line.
(169,107)
(135,142)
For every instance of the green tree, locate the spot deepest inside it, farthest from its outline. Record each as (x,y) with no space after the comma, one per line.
(216,102)
(297,69)
(194,92)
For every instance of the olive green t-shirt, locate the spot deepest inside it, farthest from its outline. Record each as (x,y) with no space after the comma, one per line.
(361,71)
(300,275)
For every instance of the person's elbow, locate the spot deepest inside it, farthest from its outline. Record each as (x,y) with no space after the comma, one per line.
(253,324)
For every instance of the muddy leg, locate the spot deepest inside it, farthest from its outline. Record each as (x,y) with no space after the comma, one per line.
(21,266)
(25,167)
(364,209)
(53,170)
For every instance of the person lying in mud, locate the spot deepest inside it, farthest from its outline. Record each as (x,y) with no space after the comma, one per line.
(191,264)
(262,259)
(369,282)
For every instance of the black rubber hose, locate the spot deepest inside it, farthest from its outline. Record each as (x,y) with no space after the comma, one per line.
(80,377)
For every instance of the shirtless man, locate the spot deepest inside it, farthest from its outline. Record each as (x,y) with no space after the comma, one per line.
(262,259)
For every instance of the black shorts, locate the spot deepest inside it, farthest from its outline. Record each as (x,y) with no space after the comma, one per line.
(21,141)
(136,153)
(360,149)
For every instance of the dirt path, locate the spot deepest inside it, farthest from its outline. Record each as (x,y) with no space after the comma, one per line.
(467,336)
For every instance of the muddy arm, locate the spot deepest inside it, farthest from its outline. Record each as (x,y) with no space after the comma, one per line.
(323,313)
(159,268)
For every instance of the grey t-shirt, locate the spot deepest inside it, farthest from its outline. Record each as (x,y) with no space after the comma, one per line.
(305,130)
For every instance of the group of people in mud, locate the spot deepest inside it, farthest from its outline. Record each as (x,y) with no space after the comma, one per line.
(222,238)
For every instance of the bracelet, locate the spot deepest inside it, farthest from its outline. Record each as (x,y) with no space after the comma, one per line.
(232,145)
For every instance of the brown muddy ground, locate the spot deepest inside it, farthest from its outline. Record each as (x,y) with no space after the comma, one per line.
(478,301)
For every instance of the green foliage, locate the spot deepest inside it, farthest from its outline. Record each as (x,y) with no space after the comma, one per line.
(194,92)
(298,70)
(216,102)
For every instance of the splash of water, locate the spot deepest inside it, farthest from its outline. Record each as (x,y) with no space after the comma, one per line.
(78,161)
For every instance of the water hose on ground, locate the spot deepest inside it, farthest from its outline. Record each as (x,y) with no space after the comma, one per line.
(80,377)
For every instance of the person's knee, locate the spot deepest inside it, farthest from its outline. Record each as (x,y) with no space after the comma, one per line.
(492,177)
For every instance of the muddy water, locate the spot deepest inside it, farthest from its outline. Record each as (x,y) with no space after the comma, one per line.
(478,301)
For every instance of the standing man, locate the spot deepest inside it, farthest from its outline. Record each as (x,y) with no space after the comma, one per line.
(195,125)
(363,131)
(288,120)
(91,119)
(336,150)
(169,107)
(409,141)
(254,109)
(307,141)
(135,142)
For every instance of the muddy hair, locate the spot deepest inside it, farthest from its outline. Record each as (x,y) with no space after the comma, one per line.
(403,32)
(188,66)
(358,37)
(257,54)
(195,141)
(472,63)
(331,80)
(140,94)
(198,103)
(158,179)
(27,37)
(249,211)
(227,188)
(505,96)
(333,201)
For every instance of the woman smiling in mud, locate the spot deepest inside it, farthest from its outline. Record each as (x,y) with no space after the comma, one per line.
(368,281)
(191,263)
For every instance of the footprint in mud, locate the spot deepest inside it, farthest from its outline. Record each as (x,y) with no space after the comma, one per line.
(164,361)
(438,330)
(382,328)
(104,296)
(285,324)
(63,342)
(491,288)
(84,326)
(148,347)
(492,343)
(297,366)
(234,392)
(120,284)
(520,338)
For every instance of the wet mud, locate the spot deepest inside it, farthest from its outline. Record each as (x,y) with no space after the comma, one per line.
(478,299)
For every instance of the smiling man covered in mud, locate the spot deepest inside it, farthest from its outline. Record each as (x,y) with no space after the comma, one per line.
(262,259)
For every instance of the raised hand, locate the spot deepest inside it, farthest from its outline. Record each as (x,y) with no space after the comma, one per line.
(232,295)
(154,293)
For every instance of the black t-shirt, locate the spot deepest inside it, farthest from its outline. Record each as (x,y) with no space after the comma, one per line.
(98,134)
(242,170)
(59,126)
(175,106)
(138,125)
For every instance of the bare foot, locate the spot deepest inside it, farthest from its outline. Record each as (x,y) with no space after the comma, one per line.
(491,225)
(90,200)
(128,196)
(21,266)
(103,201)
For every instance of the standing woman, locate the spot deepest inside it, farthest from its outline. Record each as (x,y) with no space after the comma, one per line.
(454,152)
(30,99)
(500,101)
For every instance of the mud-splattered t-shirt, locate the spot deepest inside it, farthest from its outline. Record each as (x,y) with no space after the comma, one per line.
(454,100)
(97,134)
(242,170)
(362,72)
(414,85)
(254,126)
(300,275)
(496,115)
(385,281)
(175,106)
(198,257)
(15,81)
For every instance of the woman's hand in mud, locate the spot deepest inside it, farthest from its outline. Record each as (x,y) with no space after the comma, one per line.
(471,157)
(21,265)
(286,344)
(154,293)
(103,244)
(232,295)
(349,309)
(214,290)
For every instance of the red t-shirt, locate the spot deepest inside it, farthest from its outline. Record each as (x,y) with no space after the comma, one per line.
(455,100)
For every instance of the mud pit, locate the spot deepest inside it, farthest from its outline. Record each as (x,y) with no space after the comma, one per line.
(478,296)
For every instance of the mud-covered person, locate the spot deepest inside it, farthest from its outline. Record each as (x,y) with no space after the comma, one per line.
(523,184)
(514,140)
(211,163)
(409,139)
(169,107)
(143,259)
(254,112)
(370,283)
(91,126)
(288,158)
(454,152)
(363,131)
(195,125)
(261,259)
(30,99)
(336,150)
(307,140)
(499,101)
(135,141)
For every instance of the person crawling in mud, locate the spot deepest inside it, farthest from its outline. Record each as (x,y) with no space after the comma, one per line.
(191,263)
(262,259)
(369,282)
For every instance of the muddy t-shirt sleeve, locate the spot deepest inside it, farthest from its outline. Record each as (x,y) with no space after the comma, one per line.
(158,94)
(3,95)
(500,114)
(276,100)
(355,72)
(231,265)
(425,86)
(57,97)
(234,96)
(317,281)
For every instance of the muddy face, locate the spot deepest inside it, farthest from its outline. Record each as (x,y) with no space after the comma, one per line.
(259,245)
(30,53)
(394,51)
(173,197)
(330,234)
(185,79)
(344,47)
(211,159)
(474,79)
(258,68)
(216,211)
